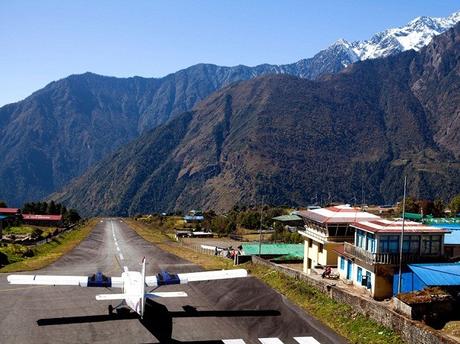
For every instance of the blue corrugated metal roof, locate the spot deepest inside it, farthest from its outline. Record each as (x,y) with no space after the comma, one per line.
(437,274)
(3,217)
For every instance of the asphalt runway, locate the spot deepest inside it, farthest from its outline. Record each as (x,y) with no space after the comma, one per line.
(213,312)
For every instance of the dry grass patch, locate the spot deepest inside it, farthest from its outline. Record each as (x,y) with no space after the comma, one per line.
(163,240)
(48,253)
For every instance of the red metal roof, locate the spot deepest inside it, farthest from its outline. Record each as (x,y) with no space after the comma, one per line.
(387,226)
(9,210)
(42,217)
(337,214)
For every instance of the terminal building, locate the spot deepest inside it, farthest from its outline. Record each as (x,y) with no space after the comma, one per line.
(326,229)
(371,261)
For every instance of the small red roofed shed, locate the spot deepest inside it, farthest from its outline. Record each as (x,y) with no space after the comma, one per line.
(42,220)
(10,211)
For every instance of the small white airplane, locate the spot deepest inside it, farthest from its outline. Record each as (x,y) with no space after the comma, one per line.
(133,284)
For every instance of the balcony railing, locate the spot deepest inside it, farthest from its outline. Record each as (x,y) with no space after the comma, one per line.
(322,235)
(387,258)
(314,234)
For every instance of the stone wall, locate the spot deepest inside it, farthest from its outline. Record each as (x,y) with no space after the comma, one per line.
(411,331)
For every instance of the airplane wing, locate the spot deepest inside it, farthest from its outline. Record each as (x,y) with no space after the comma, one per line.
(165,278)
(96,280)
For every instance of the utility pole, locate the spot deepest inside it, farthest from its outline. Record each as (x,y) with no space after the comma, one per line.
(402,236)
(260,226)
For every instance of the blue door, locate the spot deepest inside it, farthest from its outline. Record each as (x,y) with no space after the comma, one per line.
(349,269)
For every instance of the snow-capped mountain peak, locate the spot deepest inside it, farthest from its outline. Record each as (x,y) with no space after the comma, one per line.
(415,35)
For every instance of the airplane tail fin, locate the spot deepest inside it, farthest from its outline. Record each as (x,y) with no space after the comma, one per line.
(143,288)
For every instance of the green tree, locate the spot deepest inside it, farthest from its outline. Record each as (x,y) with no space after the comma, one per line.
(51,208)
(438,208)
(42,207)
(411,206)
(426,206)
(231,227)
(219,224)
(249,219)
(454,206)
(71,216)
(3,204)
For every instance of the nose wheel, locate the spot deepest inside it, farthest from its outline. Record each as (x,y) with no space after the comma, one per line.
(110,309)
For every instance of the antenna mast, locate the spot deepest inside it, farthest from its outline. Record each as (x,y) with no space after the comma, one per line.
(402,236)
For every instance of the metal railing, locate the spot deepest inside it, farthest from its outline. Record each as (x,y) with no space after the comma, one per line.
(323,236)
(387,258)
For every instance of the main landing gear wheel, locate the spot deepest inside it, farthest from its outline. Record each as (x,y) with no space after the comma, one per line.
(110,309)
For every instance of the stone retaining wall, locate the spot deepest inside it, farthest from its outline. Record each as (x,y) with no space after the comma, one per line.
(411,331)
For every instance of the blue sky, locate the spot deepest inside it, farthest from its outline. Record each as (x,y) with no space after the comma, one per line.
(42,41)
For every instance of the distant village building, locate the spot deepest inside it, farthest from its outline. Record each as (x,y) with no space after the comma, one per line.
(372,259)
(42,220)
(2,220)
(290,222)
(194,216)
(8,217)
(10,211)
(326,229)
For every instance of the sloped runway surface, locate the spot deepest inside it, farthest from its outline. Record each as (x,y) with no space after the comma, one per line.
(213,312)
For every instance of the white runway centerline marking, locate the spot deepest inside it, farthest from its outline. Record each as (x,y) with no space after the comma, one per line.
(125,268)
(306,340)
(270,341)
(233,341)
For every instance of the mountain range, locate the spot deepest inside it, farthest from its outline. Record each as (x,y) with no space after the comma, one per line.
(284,139)
(60,131)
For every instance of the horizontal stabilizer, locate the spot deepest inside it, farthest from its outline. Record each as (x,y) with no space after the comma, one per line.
(166,294)
(104,297)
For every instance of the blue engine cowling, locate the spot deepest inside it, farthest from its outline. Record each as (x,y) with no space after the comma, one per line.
(165,278)
(99,280)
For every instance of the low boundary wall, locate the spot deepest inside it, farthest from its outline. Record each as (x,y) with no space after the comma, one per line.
(411,331)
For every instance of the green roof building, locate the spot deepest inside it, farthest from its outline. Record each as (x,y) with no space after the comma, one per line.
(291,251)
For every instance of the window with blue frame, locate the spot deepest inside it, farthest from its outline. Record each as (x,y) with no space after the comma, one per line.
(411,244)
(389,244)
(368,278)
(360,239)
(370,242)
(359,276)
(431,244)
(342,263)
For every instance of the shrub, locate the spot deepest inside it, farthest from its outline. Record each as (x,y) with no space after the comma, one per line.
(36,233)
(3,259)
(28,253)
